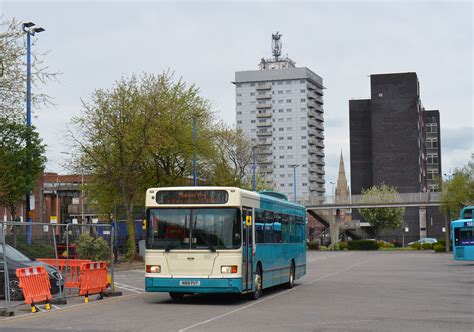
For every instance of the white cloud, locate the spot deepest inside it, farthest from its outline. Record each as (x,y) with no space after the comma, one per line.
(94,44)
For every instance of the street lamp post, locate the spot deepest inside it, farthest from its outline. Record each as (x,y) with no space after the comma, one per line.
(82,187)
(29,29)
(294,181)
(254,169)
(447,220)
(194,156)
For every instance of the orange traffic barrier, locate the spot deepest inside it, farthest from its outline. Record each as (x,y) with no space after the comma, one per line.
(35,285)
(69,268)
(93,279)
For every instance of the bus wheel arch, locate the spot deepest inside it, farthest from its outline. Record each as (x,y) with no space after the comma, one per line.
(258,282)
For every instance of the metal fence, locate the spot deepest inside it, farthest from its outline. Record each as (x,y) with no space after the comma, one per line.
(55,246)
(419,199)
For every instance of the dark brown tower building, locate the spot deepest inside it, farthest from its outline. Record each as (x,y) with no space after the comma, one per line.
(388,142)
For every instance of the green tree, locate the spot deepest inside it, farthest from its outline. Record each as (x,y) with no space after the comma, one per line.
(230,165)
(458,191)
(170,148)
(139,135)
(22,160)
(382,218)
(112,138)
(13,72)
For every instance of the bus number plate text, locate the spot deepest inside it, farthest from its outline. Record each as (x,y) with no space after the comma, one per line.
(189,283)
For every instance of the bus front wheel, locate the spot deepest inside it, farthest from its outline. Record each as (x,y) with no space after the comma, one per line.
(258,282)
(176,296)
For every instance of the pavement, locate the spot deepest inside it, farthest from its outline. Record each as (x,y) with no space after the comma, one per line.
(342,291)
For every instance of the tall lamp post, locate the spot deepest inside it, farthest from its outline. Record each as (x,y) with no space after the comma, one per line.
(254,169)
(447,220)
(194,154)
(294,181)
(29,29)
(82,187)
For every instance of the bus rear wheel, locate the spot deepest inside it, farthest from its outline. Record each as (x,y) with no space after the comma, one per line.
(258,282)
(176,296)
(291,279)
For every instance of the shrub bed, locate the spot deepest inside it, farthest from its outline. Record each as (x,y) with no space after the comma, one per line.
(313,245)
(416,246)
(36,250)
(427,246)
(441,242)
(362,245)
(439,248)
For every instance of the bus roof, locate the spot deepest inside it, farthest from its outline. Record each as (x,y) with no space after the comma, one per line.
(462,223)
(247,193)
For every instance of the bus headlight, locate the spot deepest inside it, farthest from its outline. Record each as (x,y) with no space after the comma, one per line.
(153,269)
(229,269)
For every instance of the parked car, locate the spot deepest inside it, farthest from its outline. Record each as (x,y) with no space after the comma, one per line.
(15,260)
(424,240)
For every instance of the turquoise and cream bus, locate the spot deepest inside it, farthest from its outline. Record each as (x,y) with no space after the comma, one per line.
(222,240)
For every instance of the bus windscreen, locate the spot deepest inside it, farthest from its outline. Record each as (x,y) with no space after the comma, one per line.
(194,229)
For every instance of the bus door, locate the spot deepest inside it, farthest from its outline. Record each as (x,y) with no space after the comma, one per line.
(247,249)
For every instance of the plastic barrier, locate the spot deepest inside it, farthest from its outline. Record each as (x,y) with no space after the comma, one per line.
(93,279)
(34,282)
(71,274)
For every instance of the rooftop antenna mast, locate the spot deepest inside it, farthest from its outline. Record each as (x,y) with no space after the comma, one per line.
(276,45)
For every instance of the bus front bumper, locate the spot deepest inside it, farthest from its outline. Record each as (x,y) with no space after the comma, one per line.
(193,285)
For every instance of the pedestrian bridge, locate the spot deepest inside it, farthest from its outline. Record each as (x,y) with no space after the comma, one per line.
(421,199)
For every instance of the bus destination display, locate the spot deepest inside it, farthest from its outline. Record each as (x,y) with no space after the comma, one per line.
(192,197)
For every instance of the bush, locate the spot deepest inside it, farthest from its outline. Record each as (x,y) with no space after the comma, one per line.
(383,244)
(439,248)
(36,250)
(313,245)
(416,246)
(427,246)
(323,248)
(442,242)
(362,245)
(397,244)
(96,249)
(343,245)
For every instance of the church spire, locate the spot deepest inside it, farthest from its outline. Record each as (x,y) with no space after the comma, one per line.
(342,189)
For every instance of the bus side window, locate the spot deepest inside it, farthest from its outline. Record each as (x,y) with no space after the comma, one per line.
(299,230)
(277,229)
(285,231)
(292,228)
(269,226)
(259,226)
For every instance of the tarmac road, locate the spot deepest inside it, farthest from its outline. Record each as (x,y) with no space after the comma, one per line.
(342,291)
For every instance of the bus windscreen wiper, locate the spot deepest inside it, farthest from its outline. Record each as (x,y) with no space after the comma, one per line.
(206,241)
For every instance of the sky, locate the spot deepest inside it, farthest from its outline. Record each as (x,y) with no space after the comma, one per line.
(96,43)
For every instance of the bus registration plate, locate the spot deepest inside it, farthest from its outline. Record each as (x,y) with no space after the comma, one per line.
(190,283)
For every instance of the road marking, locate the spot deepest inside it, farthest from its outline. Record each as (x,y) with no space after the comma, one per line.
(138,271)
(273,296)
(129,287)
(63,309)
